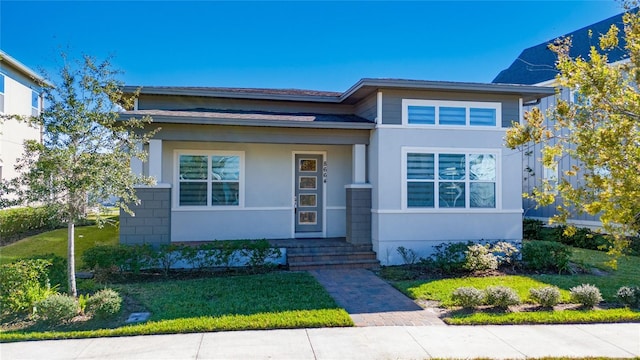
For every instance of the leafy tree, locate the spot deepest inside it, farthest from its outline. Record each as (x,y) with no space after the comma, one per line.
(601,132)
(86,150)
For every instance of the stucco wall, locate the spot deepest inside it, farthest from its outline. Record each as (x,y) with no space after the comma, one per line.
(17,101)
(421,229)
(268,203)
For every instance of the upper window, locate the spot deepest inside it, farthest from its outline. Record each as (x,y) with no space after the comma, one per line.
(450,179)
(1,93)
(35,103)
(451,113)
(210,179)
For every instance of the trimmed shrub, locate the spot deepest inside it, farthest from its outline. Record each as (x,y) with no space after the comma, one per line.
(468,297)
(107,260)
(586,294)
(546,255)
(629,295)
(501,296)
(166,257)
(547,296)
(479,257)
(57,308)
(532,229)
(22,284)
(104,303)
(258,252)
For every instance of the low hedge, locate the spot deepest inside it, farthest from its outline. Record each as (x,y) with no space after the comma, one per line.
(19,222)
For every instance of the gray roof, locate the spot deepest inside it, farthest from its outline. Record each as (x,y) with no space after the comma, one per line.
(355,93)
(537,63)
(253,118)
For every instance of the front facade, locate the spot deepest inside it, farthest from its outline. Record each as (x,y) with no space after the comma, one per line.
(20,94)
(388,163)
(536,66)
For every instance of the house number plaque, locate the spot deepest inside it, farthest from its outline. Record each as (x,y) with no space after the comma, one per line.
(324,171)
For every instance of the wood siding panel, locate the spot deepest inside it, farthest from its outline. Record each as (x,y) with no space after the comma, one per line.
(250,134)
(392,103)
(367,108)
(533,161)
(164,102)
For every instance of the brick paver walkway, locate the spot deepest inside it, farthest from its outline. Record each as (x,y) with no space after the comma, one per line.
(370,301)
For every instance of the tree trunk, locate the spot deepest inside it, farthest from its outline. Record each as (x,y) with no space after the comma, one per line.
(71,259)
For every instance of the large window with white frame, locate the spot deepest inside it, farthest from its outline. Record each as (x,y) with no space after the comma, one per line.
(451,113)
(209,179)
(450,179)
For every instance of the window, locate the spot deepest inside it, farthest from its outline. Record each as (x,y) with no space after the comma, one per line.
(1,93)
(35,103)
(451,113)
(451,179)
(213,179)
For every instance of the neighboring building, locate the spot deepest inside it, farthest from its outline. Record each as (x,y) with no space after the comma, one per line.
(536,66)
(20,94)
(386,163)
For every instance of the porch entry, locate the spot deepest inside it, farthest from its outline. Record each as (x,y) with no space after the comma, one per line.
(308,201)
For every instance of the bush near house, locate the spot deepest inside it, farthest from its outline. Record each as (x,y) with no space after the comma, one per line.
(110,260)
(579,237)
(545,256)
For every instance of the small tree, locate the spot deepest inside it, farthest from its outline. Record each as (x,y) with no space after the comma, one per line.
(86,150)
(601,132)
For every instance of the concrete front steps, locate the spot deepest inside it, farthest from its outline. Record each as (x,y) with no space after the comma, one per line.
(330,254)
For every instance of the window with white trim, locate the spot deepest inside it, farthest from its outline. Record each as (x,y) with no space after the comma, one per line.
(451,113)
(35,103)
(210,179)
(451,179)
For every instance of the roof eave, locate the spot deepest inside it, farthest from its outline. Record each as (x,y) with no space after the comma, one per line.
(527,92)
(150,90)
(254,122)
(23,69)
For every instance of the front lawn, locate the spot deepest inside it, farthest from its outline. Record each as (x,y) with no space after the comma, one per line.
(627,273)
(55,242)
(250,302)
(608,281)
(441,290)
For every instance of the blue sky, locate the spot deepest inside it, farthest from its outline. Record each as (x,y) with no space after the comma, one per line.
(306,45)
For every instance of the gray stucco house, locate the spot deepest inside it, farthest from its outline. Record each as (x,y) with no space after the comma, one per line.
(386,163)
(536,66)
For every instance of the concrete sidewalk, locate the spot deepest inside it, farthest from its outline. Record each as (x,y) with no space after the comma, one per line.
(387,342)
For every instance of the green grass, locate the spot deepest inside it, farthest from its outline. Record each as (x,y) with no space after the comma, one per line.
(56,242)
(625,274)
(545,317)
(441,290)
(266,301)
